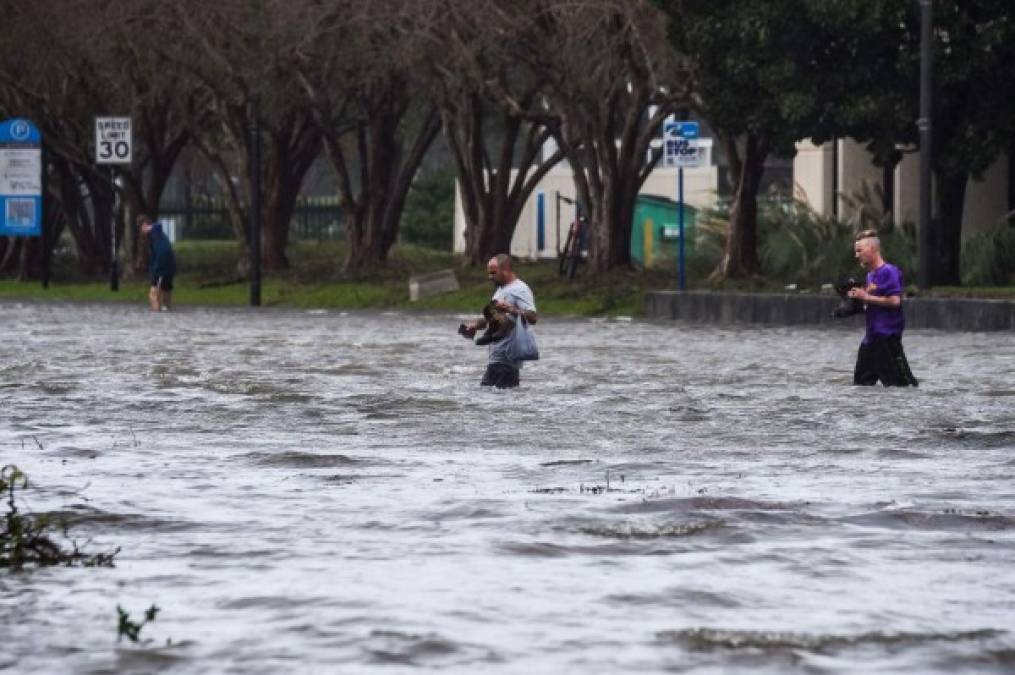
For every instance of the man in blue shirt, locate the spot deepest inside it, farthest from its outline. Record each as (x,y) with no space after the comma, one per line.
(161,264)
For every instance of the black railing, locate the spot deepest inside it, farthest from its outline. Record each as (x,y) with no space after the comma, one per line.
(314,222)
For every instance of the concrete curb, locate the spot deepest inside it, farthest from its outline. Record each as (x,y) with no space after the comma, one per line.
(950,314)
(426,285)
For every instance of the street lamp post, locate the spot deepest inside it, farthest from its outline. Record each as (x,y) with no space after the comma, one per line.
(255,204)
(114,269)
(925,276)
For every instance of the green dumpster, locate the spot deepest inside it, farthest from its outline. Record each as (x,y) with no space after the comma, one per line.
(655,233)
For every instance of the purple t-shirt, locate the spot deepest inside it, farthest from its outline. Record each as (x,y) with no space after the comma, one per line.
(884,321)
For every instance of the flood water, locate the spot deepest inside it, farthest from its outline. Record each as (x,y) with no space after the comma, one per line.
(331,492)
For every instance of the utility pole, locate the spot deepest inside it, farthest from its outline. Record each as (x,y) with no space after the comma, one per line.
(925,275)
(255,203)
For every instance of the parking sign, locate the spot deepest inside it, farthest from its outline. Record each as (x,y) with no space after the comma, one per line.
(20,179)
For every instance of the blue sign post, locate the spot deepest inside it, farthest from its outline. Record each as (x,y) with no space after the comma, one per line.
(540,222)
(680,149)
(20,179)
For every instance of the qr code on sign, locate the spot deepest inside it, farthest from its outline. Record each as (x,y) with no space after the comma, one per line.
(21,213)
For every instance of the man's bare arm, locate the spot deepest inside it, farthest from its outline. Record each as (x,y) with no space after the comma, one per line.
(890,301)
(530,315)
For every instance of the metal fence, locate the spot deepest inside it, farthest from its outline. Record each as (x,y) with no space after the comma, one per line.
(313,222)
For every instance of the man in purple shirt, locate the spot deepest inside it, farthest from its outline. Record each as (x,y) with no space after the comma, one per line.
(881,356)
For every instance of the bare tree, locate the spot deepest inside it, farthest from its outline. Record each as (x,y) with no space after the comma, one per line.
(162,101)
(610,80)
(359,67)
(497,150)
(86,60)
(246,75)
(47,80)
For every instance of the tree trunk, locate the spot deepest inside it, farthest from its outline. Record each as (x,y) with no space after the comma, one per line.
(291,152)
(612,217)
(951,198)
(607,153)
(888,188)
(279,204)
(488,236)
(608,183)
(10,254)
(378,148)
(740,257)
(288,149)
(30,267)
(364,253)
(90,227)
(239,220)
(493,199)
(1011,183)
(100,195)
(364,243)
(407,168)
(373,214)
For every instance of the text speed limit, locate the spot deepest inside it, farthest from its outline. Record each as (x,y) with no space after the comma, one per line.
(113,140)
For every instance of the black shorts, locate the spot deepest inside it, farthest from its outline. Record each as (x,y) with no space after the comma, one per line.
(163,283)
(500,375)
(884,360)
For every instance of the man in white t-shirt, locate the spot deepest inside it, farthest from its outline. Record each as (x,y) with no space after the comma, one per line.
(514,297)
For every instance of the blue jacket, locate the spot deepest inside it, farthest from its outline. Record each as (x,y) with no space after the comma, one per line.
(162,262)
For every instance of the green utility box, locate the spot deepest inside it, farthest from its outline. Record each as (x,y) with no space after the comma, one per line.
(655,232)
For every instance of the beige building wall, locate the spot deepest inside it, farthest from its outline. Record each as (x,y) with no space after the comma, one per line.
(700,191)
(986,199)
(815,179)
(907,189)
(812,173)
(856,167)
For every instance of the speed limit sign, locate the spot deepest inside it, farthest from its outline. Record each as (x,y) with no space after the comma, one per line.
(113,140)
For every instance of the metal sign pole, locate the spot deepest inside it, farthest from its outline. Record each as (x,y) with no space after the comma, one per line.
(255,205)
(114,144)
(558,223)
(114,272)
(680,226)
(42,221)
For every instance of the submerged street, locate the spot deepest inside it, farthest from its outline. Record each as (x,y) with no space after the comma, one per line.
(332,492)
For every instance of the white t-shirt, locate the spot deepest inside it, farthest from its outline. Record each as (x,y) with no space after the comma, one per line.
(519,294)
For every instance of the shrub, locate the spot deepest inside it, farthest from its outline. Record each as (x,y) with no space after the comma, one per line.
(796,244)
(429,214)
(988,258)
(127,627)
(27,539)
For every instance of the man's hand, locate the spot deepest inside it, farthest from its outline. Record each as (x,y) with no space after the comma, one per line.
(859,294)
(470,328)
(889,301)
(505,307)
(508,308)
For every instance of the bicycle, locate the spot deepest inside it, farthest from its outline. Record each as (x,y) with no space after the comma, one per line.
(571,256)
